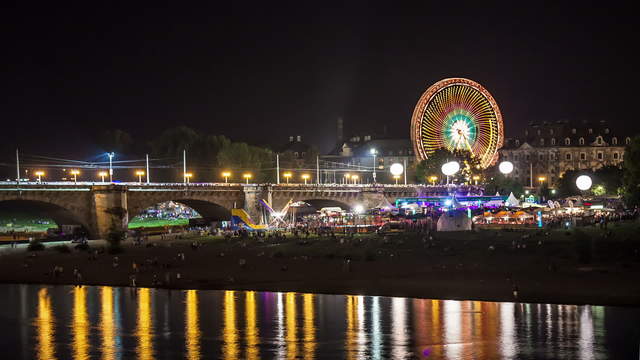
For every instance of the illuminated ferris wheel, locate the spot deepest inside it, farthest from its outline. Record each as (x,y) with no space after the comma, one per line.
(458,114)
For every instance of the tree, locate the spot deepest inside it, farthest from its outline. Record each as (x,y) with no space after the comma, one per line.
(242,157)
(115,140)
(499,183)
(607,180)
(432,166)
(631,173)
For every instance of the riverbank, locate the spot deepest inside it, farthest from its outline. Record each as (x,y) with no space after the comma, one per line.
(546,267)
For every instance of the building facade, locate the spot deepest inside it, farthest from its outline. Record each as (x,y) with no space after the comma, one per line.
(549,149)
(354,156)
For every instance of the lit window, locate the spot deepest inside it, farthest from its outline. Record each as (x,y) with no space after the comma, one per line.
(614,140)
(581,141)
(627,140)
(567,141)
(517,142)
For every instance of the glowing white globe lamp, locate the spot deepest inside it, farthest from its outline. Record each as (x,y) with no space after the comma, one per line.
(396,169)
(506,167)
(358,209)
(450,168)
(583,182)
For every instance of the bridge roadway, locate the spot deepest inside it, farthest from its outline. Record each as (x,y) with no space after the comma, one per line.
(100,207)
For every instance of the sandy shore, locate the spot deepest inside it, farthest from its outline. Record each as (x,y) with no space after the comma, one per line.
(457,266)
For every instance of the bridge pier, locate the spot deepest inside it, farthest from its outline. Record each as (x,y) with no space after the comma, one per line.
(109,210)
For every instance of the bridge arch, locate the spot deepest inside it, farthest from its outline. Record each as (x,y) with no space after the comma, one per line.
(59,214)
(207,209)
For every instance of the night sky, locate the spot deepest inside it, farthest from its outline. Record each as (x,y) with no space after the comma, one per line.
(260,72)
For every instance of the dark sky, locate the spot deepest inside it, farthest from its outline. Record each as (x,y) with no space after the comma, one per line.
(260,72)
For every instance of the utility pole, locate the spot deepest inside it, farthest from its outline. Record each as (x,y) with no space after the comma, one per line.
(531,174)
(147,168)
(318,169)
(278,168)
(184,166)
(18,166)
(405,171)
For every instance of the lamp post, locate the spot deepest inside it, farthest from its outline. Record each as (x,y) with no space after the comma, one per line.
(247,176)
(347,178)
(305,177)
(102,174)
(505,167)
(287,176)
(111,155)
(375,165)
(225,175)
(140,174)
(396,170)
(355,178)
(450,168)
(75,174)
(433,179)
(476,178)
(188,176)
(39,174)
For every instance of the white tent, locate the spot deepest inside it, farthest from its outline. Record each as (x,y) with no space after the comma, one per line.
(512,201)
(384,204)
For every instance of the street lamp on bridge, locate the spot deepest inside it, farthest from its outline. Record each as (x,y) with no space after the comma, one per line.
(226,175)
(140,174)
(305,177)
(433,179)
(247,176)
(355,178)
(75,174)
(102,174)
(188,176)
(374,152)
(111,155)
(39,174)
(287,176)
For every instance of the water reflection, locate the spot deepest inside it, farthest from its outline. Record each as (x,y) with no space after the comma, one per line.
(230,332)
(309,327)
(251,331)
(289,325)
(45,325)
(145,329)
(107,324)
(192,326)
(81,325)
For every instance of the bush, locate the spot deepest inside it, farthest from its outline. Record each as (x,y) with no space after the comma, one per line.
(35,245)
(62,249)
(82,247)
(114,237)
(115,249)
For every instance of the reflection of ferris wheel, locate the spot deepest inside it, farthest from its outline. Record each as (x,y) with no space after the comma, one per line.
(458,114)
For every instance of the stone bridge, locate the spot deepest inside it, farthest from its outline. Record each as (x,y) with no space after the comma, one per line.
(100,207)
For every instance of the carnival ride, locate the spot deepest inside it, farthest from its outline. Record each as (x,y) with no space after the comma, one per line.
(458,114)
(240,219)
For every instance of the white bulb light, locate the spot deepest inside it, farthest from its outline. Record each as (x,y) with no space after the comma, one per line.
(583,182)
(396,169)
(450,168)
(358,209)
(506,167)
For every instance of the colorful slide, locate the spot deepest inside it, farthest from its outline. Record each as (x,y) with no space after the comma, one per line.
(240,219)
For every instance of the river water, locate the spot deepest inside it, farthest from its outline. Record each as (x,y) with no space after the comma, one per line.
(64,322)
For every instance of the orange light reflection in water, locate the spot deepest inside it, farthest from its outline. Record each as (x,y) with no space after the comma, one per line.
(192,325)
(45,327)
